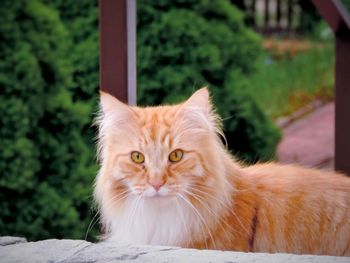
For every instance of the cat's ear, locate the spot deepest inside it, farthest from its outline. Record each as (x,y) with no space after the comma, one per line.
(199,101)
(197,112)
(110,105)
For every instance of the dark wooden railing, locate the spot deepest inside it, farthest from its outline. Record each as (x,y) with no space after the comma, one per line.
(338,19)
(118,48)
(276,16)
(118,66)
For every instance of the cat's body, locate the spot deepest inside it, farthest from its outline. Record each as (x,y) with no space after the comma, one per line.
(202,198)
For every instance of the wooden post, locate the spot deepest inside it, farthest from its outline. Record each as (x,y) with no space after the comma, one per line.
(342,105)
(339,20)
(278,14)
(289,15)
(267,14)
(118,49)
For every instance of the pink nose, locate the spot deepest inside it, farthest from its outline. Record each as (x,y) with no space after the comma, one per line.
(156,184)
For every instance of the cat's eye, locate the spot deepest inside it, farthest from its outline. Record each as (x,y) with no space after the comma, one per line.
(137,157)
(176,155)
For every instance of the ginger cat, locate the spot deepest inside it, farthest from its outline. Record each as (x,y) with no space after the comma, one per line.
(167,179)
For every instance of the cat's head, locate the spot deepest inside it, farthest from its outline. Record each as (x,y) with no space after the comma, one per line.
(159,152)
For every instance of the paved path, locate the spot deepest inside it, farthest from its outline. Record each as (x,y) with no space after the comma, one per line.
(310,140)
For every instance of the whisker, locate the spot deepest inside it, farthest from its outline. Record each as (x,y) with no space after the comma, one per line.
(91,225)
(200,217)
(183,222)
(202,201)
(230,209)
(109,202)
(131,216)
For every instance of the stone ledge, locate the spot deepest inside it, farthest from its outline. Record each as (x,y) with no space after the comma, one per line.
(66,250)
(8,240)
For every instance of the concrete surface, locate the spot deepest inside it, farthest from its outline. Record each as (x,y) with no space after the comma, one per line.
(54,250)
(8,240)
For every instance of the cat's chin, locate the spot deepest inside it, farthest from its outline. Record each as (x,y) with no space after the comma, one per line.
(159,201)
(152,193)
(158,196)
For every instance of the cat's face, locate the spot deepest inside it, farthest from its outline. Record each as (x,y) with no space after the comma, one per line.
(158,152)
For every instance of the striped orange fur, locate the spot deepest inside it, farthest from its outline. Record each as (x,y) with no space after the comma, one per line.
(208,200)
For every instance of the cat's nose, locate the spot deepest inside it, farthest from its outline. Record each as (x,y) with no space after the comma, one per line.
(156,184)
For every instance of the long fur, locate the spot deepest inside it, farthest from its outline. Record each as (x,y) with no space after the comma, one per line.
(208,200)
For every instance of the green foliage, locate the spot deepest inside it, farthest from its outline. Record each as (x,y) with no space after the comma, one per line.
(183,45)
(294,81)
(309,17)
(81,20)
(45,163)
(346,4)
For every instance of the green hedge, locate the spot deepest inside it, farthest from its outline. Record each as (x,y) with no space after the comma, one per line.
(49,84)
(46,165)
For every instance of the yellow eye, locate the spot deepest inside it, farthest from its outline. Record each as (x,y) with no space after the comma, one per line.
(176,155)
(137,157)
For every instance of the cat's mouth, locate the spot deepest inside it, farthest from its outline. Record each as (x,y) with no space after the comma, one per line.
(157,196)
(160,193)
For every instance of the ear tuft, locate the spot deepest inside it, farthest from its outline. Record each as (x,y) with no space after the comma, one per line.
(200,100)
(109,103)
(197,113)
(115,119)
(111,107)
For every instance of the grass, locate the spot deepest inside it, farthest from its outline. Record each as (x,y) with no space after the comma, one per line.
(283,84)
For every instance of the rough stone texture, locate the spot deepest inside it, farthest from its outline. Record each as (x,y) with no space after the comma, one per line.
(310,141)
(8,240)
(54,250)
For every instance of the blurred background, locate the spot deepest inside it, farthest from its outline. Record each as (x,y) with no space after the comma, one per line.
(262,60)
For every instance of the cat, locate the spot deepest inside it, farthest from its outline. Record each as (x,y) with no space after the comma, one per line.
(166,178)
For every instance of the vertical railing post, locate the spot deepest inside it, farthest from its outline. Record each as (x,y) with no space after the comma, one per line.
(339,20)
(267,14)
(289,15)
(342,105)
(118,48)
(278,14)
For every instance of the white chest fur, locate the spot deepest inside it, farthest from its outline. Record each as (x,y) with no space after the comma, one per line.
(154,221)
